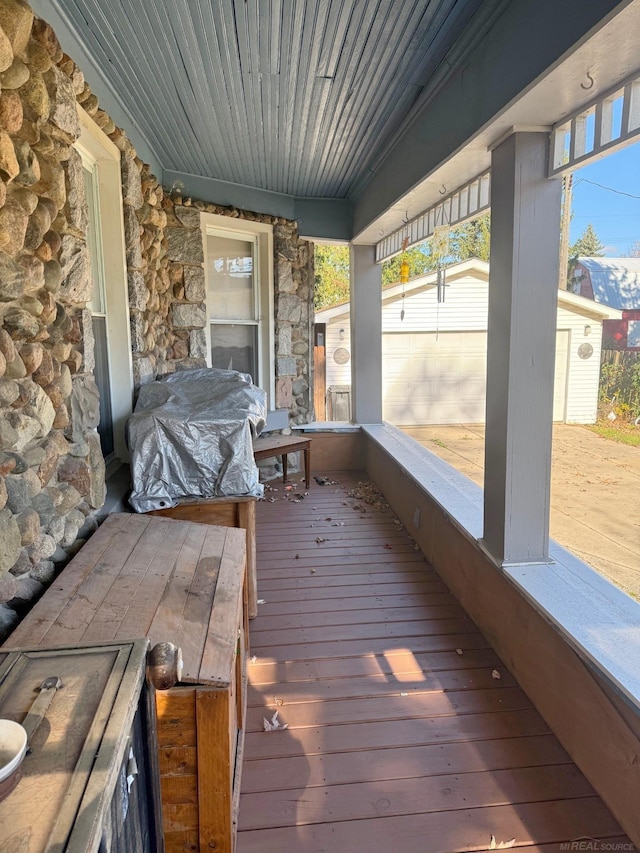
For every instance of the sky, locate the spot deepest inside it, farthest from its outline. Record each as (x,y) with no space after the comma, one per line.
(615,217)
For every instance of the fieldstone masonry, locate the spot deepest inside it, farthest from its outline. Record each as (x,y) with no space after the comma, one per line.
(52,474)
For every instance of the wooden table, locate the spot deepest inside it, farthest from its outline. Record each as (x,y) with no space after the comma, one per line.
(280,445)
(169,581)
(224,512)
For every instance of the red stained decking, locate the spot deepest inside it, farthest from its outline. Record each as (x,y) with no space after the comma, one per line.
(400,738)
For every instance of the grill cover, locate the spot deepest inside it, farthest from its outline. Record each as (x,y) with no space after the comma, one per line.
(191,435)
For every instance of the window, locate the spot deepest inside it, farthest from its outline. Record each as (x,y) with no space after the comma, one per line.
(633,333)
(110,304)
(98,308)
(239,276)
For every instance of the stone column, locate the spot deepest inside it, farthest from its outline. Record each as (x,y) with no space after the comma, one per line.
(366,336)
(523,290)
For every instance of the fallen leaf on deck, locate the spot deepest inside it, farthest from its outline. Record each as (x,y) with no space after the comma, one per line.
(288,488)
(274,724)
(338,524)
(397,521)
(313,571)
(254,659)
(278,700)
(458,651)
(328,518)
(261,601)
(495,674)
(388,547)
(503,845)
(320,539)
(404,694)
(297,557)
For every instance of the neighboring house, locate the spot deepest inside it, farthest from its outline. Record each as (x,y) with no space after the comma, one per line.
(614,282)
(434,354)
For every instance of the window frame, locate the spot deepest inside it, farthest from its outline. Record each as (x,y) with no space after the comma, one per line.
(261,235)
(99,154)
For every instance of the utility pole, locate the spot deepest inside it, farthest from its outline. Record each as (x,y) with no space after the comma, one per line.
(567,187)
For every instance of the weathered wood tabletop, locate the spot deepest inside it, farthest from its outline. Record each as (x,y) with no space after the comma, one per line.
(143,576)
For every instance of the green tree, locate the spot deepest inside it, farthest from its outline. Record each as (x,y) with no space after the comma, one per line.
(471,240)
(421,260)
(331,275)
(587,245)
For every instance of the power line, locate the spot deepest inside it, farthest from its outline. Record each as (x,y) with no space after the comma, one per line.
(610,189)
(603,215)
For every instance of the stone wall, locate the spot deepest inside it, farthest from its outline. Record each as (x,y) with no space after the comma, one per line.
(52,474)
(293,298)
(51,467)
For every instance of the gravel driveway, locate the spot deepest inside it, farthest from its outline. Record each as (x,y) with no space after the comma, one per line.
(595,492)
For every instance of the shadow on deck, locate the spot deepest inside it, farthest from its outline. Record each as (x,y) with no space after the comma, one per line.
(405,731)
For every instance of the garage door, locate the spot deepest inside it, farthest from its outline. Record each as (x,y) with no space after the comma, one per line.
(429,379)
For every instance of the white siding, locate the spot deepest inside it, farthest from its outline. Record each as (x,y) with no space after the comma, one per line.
(584,374)
(338,374)
(465,308)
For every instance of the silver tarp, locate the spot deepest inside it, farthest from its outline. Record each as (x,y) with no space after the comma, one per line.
(191,435)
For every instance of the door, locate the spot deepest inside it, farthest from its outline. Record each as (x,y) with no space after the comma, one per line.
(440,378)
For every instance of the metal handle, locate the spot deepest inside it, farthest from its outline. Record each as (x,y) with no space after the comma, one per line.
(40,706)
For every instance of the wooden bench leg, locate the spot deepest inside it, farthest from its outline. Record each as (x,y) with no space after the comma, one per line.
(307,466)
(284,467)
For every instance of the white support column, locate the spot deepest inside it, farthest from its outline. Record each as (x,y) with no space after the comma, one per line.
(366,336)
(523,292)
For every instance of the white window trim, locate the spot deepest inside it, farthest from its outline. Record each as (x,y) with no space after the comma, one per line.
(96,149)
(262,235)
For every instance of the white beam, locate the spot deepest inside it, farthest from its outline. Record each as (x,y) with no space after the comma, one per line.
(525,227)
(464,203)
(611,121)
(366,336)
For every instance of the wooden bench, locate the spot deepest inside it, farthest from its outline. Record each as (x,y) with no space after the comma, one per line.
(281,445)
(169,581)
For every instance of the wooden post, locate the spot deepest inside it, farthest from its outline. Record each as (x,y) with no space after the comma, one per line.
(567,185)
(320,371)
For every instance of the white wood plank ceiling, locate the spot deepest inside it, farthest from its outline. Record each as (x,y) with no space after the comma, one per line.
(293,96)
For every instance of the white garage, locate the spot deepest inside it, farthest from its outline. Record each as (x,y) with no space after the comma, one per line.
(434,353)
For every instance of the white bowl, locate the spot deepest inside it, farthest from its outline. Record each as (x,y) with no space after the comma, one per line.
(13,746)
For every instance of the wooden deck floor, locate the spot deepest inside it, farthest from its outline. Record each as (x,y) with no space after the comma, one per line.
(401,736)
